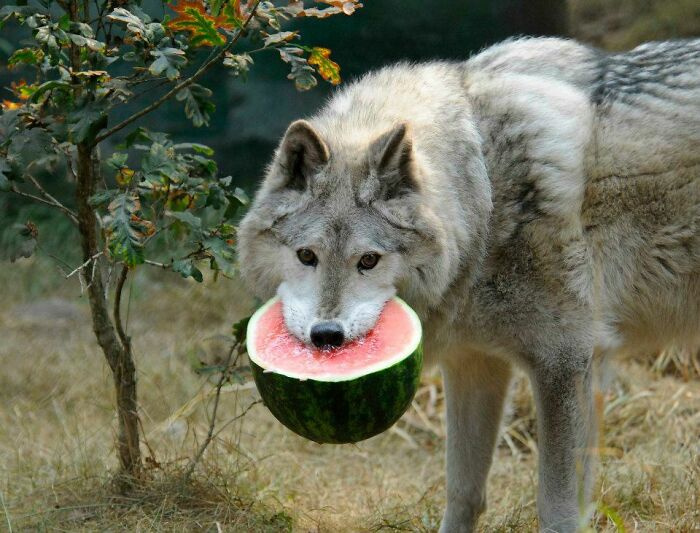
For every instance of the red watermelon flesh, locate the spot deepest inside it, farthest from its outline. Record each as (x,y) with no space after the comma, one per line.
(279,351)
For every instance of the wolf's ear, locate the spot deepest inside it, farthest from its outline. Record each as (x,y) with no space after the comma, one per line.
(391,159)
(301,153)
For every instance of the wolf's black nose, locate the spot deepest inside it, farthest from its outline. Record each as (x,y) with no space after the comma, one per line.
(327,335)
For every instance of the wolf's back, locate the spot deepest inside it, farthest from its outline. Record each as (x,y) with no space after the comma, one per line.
(648,110)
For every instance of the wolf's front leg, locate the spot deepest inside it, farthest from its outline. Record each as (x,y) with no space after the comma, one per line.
(475,389)
(565,429)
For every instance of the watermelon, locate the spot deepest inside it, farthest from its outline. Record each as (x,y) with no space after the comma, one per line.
(338,395)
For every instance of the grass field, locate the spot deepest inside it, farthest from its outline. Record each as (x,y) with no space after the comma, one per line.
(57,423)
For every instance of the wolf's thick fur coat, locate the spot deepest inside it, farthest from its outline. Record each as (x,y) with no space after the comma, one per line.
(538,205)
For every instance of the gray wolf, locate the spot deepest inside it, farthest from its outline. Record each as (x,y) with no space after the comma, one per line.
(538,205)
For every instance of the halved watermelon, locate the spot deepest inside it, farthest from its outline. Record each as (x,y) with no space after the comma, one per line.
(345,394)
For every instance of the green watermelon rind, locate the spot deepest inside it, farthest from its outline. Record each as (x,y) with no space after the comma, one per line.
(341,411)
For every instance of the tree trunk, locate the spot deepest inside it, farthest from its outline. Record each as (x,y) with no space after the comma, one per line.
(114,343)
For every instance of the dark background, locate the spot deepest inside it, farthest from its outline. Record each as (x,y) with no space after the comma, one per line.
(252,115)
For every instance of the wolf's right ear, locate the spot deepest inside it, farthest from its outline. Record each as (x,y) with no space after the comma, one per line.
(301,153)
(391,158)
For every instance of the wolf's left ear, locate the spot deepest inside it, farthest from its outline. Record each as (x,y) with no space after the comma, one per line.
(391,159)
(301,153)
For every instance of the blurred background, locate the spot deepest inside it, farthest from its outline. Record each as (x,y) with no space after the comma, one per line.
(56,413)
(251,116)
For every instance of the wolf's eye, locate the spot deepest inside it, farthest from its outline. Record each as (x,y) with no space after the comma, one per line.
(368,261)
(307,257)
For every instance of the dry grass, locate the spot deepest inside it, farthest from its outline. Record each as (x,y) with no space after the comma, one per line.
(56,424)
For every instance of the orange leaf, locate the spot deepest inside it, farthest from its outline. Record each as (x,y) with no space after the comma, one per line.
(22,90)
(9,104)
(192,16)
(124,176)
(327,68)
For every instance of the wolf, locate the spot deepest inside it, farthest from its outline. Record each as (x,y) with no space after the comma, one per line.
(538,205)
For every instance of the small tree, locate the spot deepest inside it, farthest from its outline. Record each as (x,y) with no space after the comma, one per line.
(89,58)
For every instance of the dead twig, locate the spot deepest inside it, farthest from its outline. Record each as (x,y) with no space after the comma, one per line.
(55,203)
(164,266)
(52,199)
(84,265)
(238,348)
(237,417)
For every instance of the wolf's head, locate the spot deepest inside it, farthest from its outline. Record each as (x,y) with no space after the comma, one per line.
(336,227)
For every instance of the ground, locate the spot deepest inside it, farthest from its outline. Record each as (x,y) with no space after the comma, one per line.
(57,423)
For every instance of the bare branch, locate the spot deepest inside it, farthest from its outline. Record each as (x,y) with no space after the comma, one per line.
(57,259)
(53,199)
(84,265)
(52,202)
(238,348)
(164,266)
(237,417)
(182,85)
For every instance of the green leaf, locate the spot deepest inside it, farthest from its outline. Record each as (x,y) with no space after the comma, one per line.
(118,160)
(100,198)
(238,63)
(216,197)
(186,217)
(223,254)
(27,56)
(92,44)
(47,86)
(199,148)
(28,146)
(186,268)
(613,516)
(45,35)
(64,22)
(85,122)
(240,195)
(159,163)
(5,169)
(198,107)
(301,72)
(22,11)
(138,24)
(139,134)
(168,61)
(125,229)
(240,329)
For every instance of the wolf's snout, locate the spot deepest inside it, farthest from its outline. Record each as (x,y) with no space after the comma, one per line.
(327,334)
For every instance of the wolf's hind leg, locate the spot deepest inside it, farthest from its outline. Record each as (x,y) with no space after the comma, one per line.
(565,431)
(475,389)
